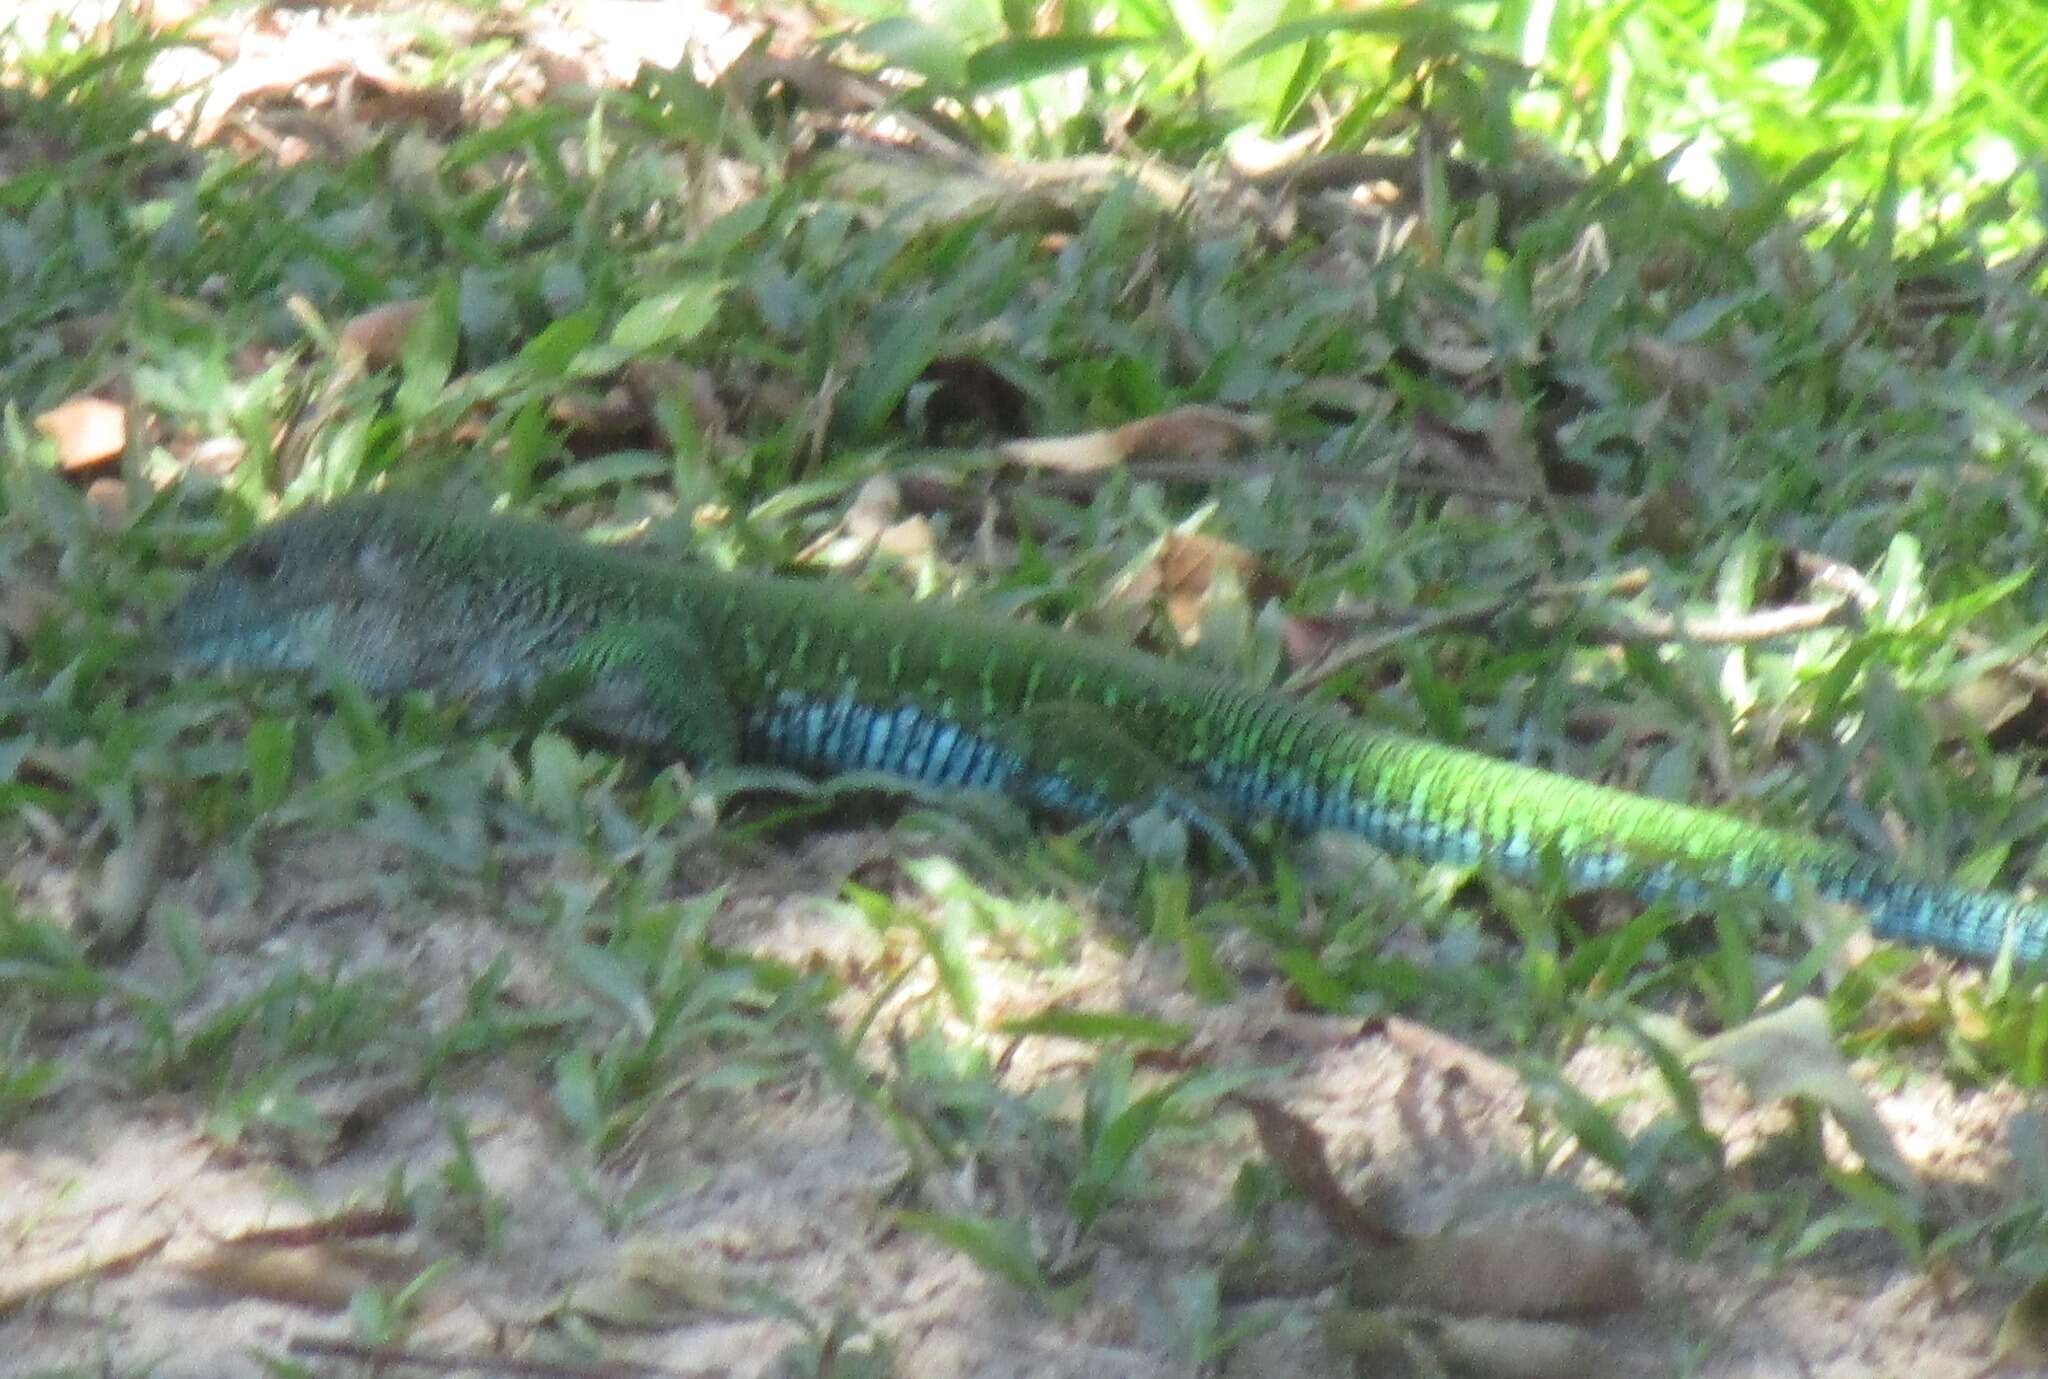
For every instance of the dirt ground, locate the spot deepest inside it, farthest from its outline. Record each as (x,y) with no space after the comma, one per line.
(790,1183)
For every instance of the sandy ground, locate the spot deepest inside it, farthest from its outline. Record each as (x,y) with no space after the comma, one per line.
(782,1180)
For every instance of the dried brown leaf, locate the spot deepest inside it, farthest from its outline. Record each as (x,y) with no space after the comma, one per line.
(357,1224)
(215,456)
(1527,1263)
(274,63)
(1079,454)
(1188,564)
(1297,1150)
(868,521)
(24,1279)
(1191,432)
(377,336)
(87,430)
(321,1277)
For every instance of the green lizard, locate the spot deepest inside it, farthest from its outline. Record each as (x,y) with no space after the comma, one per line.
(723,668)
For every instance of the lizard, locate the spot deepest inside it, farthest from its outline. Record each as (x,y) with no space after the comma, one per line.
(722,668)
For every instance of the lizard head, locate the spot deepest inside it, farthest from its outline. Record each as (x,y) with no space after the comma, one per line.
(323,587)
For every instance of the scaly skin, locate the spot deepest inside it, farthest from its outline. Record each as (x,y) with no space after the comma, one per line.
(718,667)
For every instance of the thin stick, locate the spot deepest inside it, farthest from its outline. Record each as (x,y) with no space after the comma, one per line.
(1733,629)
(1849,582)
(1476,613)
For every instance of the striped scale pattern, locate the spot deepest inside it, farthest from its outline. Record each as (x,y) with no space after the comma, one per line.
(823,679)
(846,734)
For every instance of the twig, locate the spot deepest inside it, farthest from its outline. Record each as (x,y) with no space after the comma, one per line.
(1849,582)
(1472,614)
(1366,648)
(489,1364)
(1732,629)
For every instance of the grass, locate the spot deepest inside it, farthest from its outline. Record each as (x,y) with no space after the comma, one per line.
(306,923)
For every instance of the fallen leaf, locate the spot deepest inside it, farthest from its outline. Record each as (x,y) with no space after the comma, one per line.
(1079,454)
(1194,432)
(357,1223)
(217,456)
(320,1277)
(870,524)
(1189,565)
(1297,1150)
(377,336)
(1525,1263)
(1191,432)
(23,1280)
(273,64)
(1789,1053)
(87,430)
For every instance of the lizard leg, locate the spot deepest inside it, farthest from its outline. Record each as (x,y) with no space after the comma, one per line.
(649,682)
(1081,762)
